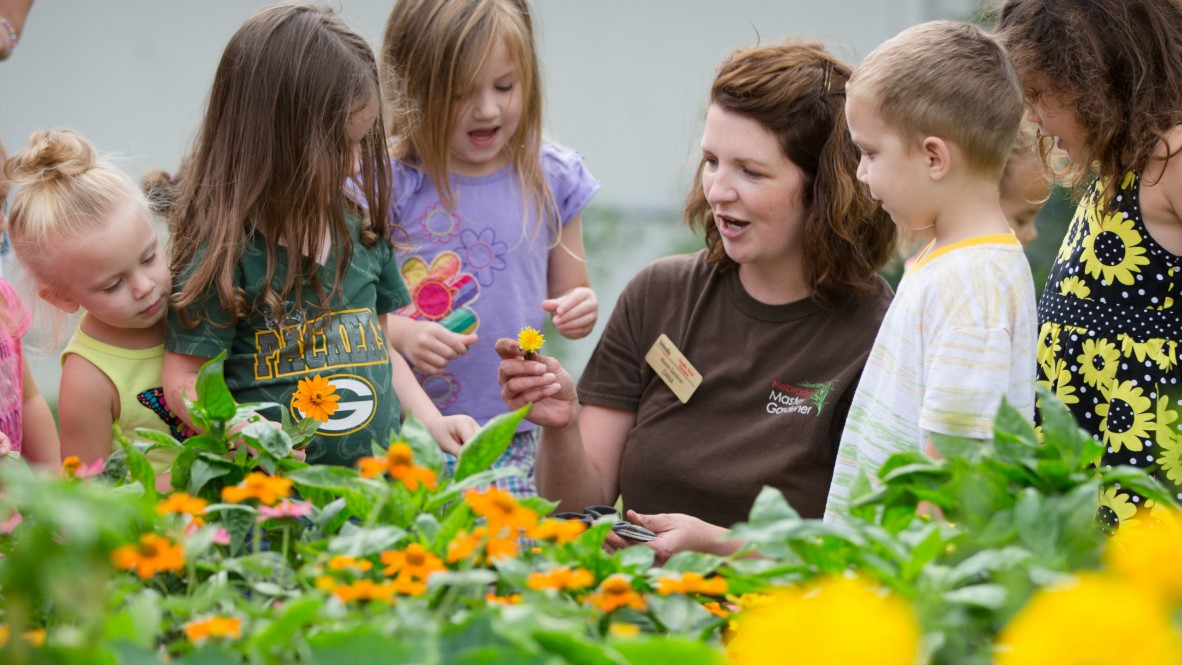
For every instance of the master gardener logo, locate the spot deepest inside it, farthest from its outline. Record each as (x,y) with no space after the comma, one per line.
(806,398)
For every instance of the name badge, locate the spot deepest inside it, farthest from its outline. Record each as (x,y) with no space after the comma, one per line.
(670,364)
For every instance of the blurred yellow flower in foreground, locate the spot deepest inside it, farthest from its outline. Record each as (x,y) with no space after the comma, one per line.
(1092,619)
(836,621)
(1147,554)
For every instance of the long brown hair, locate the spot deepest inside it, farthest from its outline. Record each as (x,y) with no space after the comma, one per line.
(797,91)
(432,52)
(272,159)
(1116,63)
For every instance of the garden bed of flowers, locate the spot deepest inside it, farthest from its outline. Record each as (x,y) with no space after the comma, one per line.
(257,558)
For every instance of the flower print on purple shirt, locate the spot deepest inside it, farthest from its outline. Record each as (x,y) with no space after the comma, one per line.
(483,253)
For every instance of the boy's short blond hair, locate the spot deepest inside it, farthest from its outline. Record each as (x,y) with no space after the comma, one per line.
(950,80)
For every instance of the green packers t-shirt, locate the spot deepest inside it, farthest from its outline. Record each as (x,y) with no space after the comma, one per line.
(268,352)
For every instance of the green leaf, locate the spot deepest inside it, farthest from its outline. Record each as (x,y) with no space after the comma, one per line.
(669,650)
(208,467)
(489,443)
(287,625)
(988,596)
(637,557)
(264,436)
(1060,430)
(157,437)
(574,650)
(426,451)
(360,541)
(771,506)
(689,561)
(213,397)
(957,447)
(326,476)
(362,645)
(138,464)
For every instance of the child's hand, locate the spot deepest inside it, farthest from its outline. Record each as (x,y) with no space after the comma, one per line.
(575,313)
(452,432)
(430,347)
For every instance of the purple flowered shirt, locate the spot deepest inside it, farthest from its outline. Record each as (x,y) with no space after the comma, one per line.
(478,268)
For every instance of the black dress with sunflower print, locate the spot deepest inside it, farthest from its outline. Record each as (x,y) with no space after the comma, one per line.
(1109,331)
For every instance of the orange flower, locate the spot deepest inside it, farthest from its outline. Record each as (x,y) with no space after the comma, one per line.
(342,562)
(560,531)
(152,555)
(716,608)
(70,465)
(414,562)
(366,590)
(691,583)
(268,490)
(181,504)
(616,592)
(501,510)
(501,548)
(464,545)
(560,579)
(229,627)
(399,463)
(314,398)
(511,599)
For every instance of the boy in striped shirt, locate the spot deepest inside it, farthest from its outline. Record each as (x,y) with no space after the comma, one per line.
(934,112)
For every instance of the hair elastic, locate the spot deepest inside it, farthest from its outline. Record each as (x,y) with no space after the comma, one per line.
(828,76)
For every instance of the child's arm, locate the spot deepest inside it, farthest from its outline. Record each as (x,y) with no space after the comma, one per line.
(572,302)
(40,442)
(427,344)
(450,432)
(179,376)
(86,409)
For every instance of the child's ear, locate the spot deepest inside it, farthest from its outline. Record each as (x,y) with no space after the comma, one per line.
(938,155)
(57,299)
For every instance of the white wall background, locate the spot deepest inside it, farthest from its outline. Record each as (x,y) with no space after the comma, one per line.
(624,80)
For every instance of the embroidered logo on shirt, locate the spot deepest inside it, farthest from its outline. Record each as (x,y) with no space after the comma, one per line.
(806,398)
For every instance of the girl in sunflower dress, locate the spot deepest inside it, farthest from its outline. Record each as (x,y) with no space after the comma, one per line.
(1104,83)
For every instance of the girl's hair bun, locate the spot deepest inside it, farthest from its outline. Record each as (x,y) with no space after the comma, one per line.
(53,154)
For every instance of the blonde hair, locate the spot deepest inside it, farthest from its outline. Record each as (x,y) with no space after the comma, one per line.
(63,190)
(432,52)
(950,80)
(271,161)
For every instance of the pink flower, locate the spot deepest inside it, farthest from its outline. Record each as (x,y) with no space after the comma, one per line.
(221,537)
(285,509)
(90,470)
(10,524)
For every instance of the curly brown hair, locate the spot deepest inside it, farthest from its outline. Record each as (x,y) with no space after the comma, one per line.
(1117,63)
(797,91)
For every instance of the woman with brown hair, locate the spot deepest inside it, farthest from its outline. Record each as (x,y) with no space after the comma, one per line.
(732,368)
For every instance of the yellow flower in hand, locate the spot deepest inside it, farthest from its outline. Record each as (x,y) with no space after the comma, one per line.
(315,399)
(530,341)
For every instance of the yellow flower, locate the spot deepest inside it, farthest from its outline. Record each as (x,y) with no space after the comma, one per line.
(623,630)
(228,627)
(413,562)
(267,489)
(399,463)
(314,398)
(1127,419)
(1060,376)
(1122,508)
(501,547)
(806,619)
(1074,286)
(181,504)
(691,583)
(1076,623)
(1098,362)
(153,554)
(1147,554)
(35,637)
(501,510)
(1048,345)
(616,592)
(530,340)
(1114,250)
(714,607)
